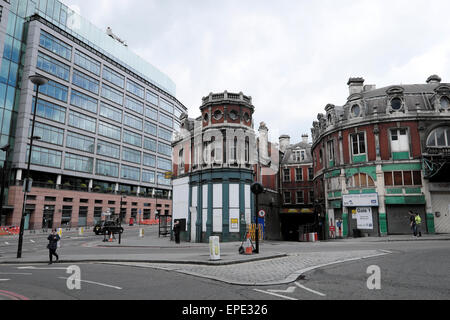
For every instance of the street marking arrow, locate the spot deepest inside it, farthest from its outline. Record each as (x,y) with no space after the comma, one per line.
(288,290)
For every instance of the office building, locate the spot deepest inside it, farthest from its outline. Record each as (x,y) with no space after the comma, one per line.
(104,121)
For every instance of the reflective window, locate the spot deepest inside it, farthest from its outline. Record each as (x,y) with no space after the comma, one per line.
(108,130)
(108,149)
(87,63)
(177,113)
(80,142)
(78,163)
(106,168)
(47,133)
(150,128)
(132,121)
(134,105)
(132,138)
(162,180)
(358,143)
(54,90)
(445,103)
(164,164)
(53,66)
(166,120)
(439,137)
(55,45)
(113,77)
(130,173)
(396,104)
(131,155)
(148,176)
(165,134)
(152,98)
(151,113)
(149,144)
(165,149)
(135,89)
(50,111)
(84,81)
(166,105)
(356,110)
(149,160)
(110,112)
(83,101)
(45,157)
(82,121)
(112,94)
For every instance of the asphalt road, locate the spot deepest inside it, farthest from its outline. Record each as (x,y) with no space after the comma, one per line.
(414,271)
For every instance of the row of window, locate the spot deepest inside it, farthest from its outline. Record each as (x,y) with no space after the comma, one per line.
(57,113)
(84,143)
(64,50)
(299,197)
(53,158)
(298,174)
(81,100)
(363,180)
(399,142)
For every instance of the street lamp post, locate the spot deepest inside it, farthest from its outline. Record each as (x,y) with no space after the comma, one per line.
(38,81)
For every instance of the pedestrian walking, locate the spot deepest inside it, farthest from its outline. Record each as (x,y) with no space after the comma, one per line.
(176,230)
(418,222)
(412,222)
(53,239)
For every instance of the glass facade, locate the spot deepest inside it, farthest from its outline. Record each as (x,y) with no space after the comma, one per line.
(102,102)
(83,101)
(84,81)
(53,66)
(80,142)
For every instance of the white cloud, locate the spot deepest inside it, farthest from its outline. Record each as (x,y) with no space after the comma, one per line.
(292,57)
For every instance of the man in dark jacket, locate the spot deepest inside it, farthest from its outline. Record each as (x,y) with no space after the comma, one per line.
(53,245)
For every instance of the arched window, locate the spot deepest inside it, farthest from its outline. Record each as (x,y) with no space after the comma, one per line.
(181,162)
(439,137)
(234,150)
(360,180)
(247,149)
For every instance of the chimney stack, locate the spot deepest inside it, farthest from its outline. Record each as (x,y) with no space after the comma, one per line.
(305,138)
(263,141)
(356,85)
(285,141)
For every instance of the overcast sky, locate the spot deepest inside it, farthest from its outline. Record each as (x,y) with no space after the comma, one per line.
(292,56)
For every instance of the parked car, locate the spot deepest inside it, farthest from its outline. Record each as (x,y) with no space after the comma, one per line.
(106,227)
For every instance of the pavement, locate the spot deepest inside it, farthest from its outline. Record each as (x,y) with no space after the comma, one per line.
(277,263)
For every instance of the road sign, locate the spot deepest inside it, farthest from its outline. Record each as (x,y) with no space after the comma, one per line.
(262,213)
(168,175)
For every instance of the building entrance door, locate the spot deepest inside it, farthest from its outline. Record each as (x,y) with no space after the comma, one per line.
(47,218)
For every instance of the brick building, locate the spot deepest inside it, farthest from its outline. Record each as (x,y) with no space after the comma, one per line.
(297,214)
(381,154)
(217,157)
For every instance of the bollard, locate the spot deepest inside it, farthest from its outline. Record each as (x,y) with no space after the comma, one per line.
(214,248)
(141,233)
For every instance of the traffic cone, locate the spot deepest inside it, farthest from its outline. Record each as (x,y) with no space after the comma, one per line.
(110,237)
